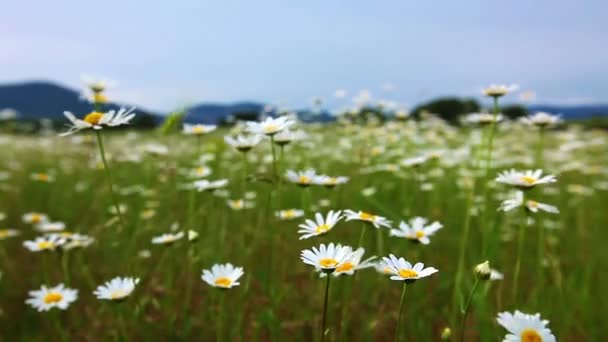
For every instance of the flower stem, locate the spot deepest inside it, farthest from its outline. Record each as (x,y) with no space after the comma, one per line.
(324,321)
(274,158)
(109,176)
(363,229)
(465,310)
(520,248)
(398,329)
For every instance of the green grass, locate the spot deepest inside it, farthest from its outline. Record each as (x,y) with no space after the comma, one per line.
(280,297)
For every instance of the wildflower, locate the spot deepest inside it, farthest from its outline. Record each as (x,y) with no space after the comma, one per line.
(414,162)
(542,120)
(286,136)
(289,214)
(243,143)
(97,84)
(223,276)
(192,235)
(498,90)
(34,218)
(320,226)
(525,327)
(302,178)
(377,221)
(50,226)
(329,181)
(198,129)
(168,238)
(400,269)
(354,263)
(270,126)
(206,185)
(76,241)
(44,243)
(239,204)
(417,230)
(54,297)
(42,177)
(482,119)
(530,205)
(327,258)
(116,289)
(483,271)
(526,179)
(98,120)
(7,233)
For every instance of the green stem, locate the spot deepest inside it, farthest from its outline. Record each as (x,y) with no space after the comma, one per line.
(274,158)
(324,321)
(109,176)
(363,229)
(398,328)
(463,247)
(465,310)
(520,248)
(220,317)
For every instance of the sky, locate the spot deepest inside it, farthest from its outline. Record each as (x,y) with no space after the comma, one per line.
(167,54)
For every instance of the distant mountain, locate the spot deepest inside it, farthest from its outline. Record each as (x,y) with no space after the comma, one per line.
(213,114)
(573,112)
(46,100)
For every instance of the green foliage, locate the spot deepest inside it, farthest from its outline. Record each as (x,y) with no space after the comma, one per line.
(448,108)
(514,111)
(173,122)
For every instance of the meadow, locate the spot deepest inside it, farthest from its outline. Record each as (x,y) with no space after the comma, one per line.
(546,262)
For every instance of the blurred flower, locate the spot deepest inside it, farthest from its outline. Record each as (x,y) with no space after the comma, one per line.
(168,238)
(98,120)
(50,226)
(530,205)
(116,289)
(7,233)
(289,214)
(498,90)
(198,129)
(353,264)
(42,177)
(320,226)
(541,119)
(400,269)
(302,178)
(206,185)
(417,230)
(55,297)
(525,327)
(270,126)
(377,221)
(223,276)
(243,143)
(44,243)
(524,179)
(34,218)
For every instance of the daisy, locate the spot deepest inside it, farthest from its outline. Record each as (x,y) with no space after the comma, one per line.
(34,218)
(7,233)
(223,276)
(44,243)
(498,90)
(54,297)
(116,289)
(239,204)
(270,126)
(525,327)
(206,185)
(482,119)
(326,258)
(286,136)
(400,269)
(526,179)
(320,226)
(168,238)
(530,205)
(417,230)
(198,129)
(201,172)
(76,241)
(97,84)
(98,120)
(414,162)
(302,178)
(243,143)
(542,120)
(50,226)
(289,214)
(330,182)
(377,221)
(354,264)
(42,177)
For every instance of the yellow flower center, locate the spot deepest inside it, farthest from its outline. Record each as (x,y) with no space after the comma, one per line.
(367,216)
(269,129)
(36,218)
(99,98)
(408,274)
(530,335)
(118,294)
(42,177)
(45,245)
(93,118)
(328,262)
(345,267)
(304,179)
(289,213)
(322,228)
(420,234)
(528,180)
(201,170)
(532,204)
(223,282)
(97,87)
(237,204)
(198,130)
(52,297)
(4,233)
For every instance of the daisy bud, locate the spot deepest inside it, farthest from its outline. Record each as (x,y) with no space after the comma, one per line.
(483,271)
(192,235)
(446,334)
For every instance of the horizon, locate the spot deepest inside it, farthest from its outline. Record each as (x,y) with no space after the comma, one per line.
(287,54)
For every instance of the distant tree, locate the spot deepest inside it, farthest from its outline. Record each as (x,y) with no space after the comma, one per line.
(514,111)
(448,108)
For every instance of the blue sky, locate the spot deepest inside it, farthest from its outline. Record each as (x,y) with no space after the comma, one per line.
(167,54)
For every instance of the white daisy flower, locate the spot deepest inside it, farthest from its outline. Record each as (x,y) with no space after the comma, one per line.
(34,218)
(54,297)
(353,264)
(525,327)
(482,119)
(76,241)
(192,235)
(498,90)
(524,179)
(206,185)
(98,120)
(243,143)
(329,181)
(541,119)
(414,162)
(400,269)
(377,221)
(326,258)
(168,238)
(302,178)
(239,204)
(495,275)
(289,214)
(116,289)
(270,126)
(42,177)
(198,129)
(320,226)
(44,243)
(533,206)
(8,233)
(286,136)
(97,84)
(417,230)
(50,226)
(223,276)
